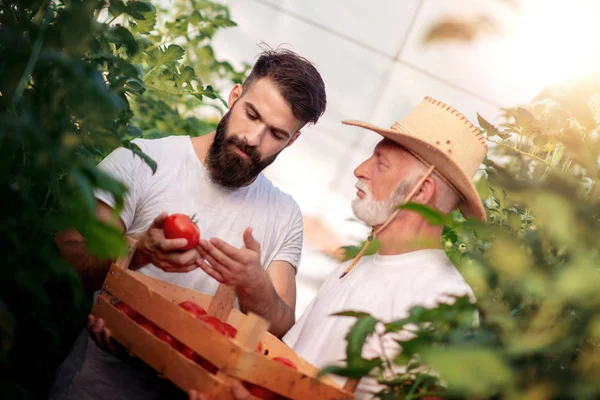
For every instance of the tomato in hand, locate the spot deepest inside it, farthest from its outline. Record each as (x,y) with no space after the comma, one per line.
(193,308)
(180,226)
(286,362)
(125,309)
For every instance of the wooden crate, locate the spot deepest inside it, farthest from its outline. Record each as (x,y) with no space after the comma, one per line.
(232,358)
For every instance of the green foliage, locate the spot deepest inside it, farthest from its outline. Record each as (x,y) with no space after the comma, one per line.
(78,79)
(533,267)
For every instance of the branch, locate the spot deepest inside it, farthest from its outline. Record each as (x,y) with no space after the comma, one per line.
(520,152)
(33,57)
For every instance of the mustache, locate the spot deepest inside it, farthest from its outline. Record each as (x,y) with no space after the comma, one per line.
(251,151)
(362,185)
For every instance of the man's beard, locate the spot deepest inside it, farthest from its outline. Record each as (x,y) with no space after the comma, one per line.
(226,167)
(373,212)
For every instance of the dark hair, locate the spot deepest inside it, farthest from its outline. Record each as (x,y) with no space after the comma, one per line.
(297,79)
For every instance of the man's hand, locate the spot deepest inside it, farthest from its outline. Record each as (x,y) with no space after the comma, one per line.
(154,247)
(101,335)
(254,287)
(238,391)
(239,268)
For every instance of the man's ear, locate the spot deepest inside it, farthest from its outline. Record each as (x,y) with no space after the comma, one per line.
(234,95)
(293,139)
(426,192)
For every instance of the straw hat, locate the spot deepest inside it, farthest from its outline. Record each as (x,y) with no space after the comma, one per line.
(439,135)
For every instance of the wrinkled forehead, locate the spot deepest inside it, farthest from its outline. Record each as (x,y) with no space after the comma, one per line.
(392,150)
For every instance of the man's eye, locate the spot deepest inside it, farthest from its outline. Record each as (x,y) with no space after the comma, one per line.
(251,116)
(277,136)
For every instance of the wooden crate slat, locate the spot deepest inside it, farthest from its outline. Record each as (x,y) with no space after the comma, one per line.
(192,332)
(157,300)
(159,355)
(283,380)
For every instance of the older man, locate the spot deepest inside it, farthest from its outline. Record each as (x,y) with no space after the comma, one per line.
(432,154)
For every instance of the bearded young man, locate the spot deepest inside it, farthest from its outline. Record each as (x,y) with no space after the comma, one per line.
(218,178)
(433,152)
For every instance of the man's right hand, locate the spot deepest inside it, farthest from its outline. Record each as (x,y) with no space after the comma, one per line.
(153,247)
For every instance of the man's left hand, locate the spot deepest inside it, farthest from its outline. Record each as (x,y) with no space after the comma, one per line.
(240,268)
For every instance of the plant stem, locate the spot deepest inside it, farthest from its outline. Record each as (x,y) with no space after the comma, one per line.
(112,20)
(33,57)
(388,363)
(519,151)
(410,396)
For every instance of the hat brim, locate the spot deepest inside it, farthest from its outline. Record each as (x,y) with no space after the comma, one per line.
(471,204)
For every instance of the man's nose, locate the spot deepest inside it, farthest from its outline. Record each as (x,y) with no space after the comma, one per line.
(254,136)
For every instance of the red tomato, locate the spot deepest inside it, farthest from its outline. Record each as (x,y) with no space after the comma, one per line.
(177,226)
(208,366)
(230,331)
(260,392)
(189,353)
(285,362)
(125,309)
(214,323)
(148,327)
(193,308)
(164,336)
(140,319)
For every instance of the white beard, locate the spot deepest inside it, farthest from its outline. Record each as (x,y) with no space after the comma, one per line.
(376,212)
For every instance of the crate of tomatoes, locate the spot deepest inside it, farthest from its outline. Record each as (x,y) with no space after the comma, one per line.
(202,342)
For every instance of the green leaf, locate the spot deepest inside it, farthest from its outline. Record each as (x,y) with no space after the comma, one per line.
(541,140)
(104,241)
(513,220)
(358,370)
(396,326)
(133,131)
(524,117)
(483,187)
(139,9)
(147,159)
(117,7)
(432,216)
(477,371)
(356,337)
(86,190)
(120,36)
(223,23)
(356,314)
(490,129)
(135,85)
(170,55)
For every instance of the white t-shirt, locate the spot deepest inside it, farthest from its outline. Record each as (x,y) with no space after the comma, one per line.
(384,286)
(181,185)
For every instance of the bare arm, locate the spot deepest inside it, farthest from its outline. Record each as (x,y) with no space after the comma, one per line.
(73,249)
(153,248)
(274,298)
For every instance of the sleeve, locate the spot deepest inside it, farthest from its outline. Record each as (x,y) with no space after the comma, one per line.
(291,249)
(126,168)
